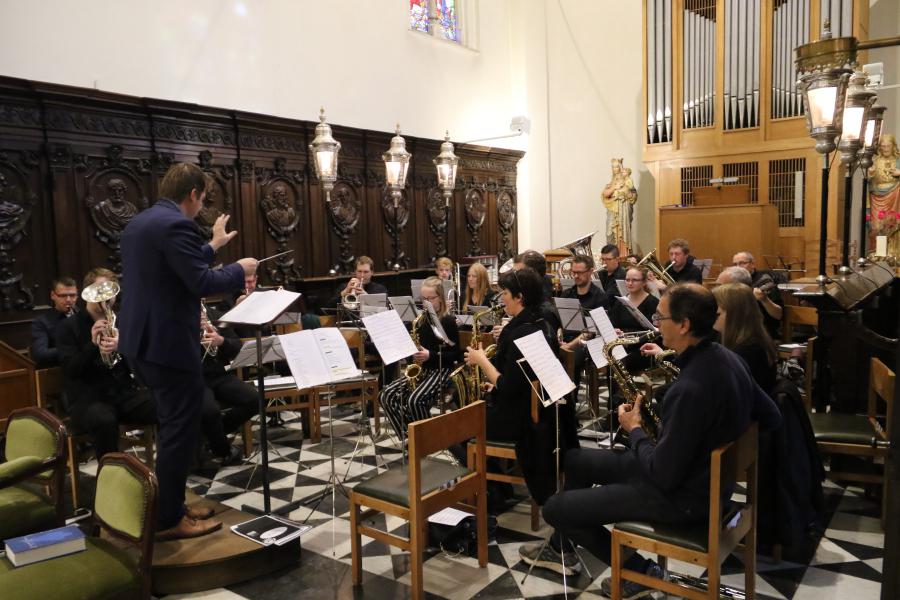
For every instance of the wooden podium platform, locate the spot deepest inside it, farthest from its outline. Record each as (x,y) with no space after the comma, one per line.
(218,559)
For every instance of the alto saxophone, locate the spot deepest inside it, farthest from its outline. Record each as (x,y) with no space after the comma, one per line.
(650,421)
(413,370)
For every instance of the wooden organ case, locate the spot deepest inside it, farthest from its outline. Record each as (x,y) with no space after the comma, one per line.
(721,100)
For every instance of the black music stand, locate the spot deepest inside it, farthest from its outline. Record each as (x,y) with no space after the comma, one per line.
(265,319)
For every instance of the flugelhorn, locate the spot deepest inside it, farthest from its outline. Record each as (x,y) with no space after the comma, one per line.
(102,293)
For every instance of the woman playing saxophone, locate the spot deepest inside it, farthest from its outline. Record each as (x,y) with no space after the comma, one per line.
(404,402)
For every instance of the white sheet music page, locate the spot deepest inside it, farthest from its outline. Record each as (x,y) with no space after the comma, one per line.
(318,356)
(246,356)
(336,353)
(546,366)
(623,290)
(260,308)
(390,336)
(595,349)
(607,331)
(638,315)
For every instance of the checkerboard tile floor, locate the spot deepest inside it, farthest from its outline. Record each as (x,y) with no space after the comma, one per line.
(844,562)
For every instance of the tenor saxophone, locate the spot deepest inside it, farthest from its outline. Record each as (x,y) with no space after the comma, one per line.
(650,421)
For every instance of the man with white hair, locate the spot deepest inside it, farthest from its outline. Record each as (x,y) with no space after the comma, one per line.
(735,275)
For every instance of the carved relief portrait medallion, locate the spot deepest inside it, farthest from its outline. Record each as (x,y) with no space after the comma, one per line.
(476,208)
(279,208)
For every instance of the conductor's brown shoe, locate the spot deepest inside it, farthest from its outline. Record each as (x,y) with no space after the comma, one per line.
(188,528)
(199,513)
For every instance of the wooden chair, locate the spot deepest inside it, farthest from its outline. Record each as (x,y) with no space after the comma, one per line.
(16,381)
(35,453)
(797,315)
(423,488)
(49,386)
(507,452)
(704,544)
(860,435)
(125,510)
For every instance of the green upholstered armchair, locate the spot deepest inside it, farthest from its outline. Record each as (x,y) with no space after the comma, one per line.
(35,454)
(114,566)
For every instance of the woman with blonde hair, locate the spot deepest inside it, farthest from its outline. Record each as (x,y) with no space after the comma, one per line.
(742,331)
(403,405)
(478,287)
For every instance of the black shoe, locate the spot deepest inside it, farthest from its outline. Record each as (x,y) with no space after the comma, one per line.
(234,457)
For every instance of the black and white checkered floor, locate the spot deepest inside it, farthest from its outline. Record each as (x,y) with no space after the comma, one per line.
(844,563)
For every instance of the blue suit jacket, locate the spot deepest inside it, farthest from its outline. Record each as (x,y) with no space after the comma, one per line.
(166,265)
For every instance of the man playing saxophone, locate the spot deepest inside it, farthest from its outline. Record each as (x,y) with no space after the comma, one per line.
(712,402)
(408,398)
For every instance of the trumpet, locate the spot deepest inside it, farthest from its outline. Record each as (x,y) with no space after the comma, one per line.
(350,301)
(102,293)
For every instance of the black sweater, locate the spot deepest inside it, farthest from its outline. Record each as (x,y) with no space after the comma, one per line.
(712,402)
(441,355)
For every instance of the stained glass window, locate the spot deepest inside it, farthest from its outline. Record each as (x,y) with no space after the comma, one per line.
(435,17)
(418,15)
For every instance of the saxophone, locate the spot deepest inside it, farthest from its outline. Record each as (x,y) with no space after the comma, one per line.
(466,379)
(650,421)
(413,370)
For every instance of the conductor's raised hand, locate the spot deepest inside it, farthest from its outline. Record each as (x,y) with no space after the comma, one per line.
(219,236)
(249,265)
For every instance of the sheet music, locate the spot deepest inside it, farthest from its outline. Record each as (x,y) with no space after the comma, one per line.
(570,314)
(366,310)
(653,288)
(638,315)
(260,308)
(620,284)
(373,300)
(590,325)
(318,356)
(287,318)
(405,307)
(392,340)
(435,323)
(465,320)
(546,366)
(566,282)
(607,332)
(246,356)
(595,349)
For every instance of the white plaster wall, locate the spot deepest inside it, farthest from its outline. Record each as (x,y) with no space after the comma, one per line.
(572,66)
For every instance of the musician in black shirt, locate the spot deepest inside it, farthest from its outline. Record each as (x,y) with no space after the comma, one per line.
(681,265)
(612,269)
(64,295)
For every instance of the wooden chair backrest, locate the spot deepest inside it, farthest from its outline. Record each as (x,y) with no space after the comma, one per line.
(439,433)
(465,339)
(327,320)
(49,386)
(729,464)
(881,385)
(16,381)
(353,337)
(797,315)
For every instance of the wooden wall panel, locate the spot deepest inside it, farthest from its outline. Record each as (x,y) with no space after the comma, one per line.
(76,165)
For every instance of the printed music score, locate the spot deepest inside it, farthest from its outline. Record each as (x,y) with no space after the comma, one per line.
(605,334)
(392,340)
(546,366)
(318,356)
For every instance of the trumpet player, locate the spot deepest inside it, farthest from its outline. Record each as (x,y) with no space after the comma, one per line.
(405,401)
(443,268)
(360,283)
(100,397)
(712,402)
(63,295)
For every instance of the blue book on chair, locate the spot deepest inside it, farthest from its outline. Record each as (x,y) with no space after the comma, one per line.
(44,545)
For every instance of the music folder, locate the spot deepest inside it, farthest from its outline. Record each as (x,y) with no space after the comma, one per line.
(318,356)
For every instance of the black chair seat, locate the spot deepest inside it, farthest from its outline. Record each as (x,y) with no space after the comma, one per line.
(842,428)
(393,485)
(694,536)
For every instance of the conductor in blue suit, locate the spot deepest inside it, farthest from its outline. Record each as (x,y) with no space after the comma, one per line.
(166,265)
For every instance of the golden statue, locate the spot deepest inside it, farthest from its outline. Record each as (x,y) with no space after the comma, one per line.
(619,197)
(884,195)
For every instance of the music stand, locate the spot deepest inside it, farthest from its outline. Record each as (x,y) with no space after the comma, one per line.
(258,311)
